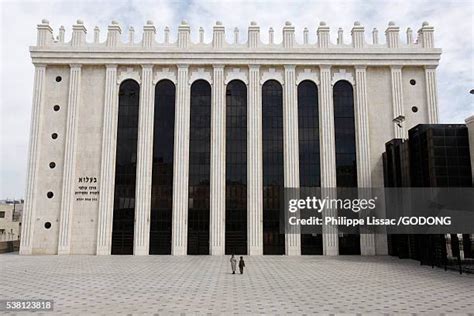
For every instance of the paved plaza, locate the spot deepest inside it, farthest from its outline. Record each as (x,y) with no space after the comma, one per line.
(84,285)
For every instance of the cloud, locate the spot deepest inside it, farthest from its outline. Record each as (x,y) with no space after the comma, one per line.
(452,20)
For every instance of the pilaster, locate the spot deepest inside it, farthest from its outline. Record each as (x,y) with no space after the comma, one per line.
(397,102)
(367,238)
(328,158)
(254,164)
(431,94)
(66,215)
(181,164)
(218,151)
(29,210)
(144,163)
(291,148)
(107,165)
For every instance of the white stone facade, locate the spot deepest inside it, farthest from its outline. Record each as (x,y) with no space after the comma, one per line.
(389,79)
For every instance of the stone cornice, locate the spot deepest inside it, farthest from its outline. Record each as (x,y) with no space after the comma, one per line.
(328,56)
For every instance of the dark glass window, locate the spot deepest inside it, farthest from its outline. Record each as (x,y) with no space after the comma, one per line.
(199,168)
(273,177)
(162,174)
(236,168)
(308,140)
(346,167)
(125,168)
(344,129)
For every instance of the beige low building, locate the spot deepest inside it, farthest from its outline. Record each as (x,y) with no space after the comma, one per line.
(10,220)
(179,147)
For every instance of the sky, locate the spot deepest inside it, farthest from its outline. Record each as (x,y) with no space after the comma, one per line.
(453,22)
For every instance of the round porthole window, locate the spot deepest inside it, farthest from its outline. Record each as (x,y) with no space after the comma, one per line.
(413,82)
(56,108)
(50,195)
(414,109)
(47,225)
(52,164)
(54,135)
(58,79)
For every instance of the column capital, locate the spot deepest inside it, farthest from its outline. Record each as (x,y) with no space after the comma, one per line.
(218,66)
(289,67)
(40,65)
(396,67)
(254,67)
(182,66)
(324,67)
(75,66)
(147,66)
(360,67)
(111,66)
(432,67)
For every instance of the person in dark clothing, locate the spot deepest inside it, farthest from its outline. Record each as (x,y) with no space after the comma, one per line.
(241,265)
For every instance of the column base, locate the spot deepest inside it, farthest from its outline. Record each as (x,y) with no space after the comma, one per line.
(367,244)
(330,244)
(179,251)
(26,251)
(103,251)
(293,251)
(63,251)
(255,251)
(217,251)
(331,251)
(140,251)
(293,244)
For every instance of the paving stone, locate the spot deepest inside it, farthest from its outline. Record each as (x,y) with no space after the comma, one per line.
(125,285)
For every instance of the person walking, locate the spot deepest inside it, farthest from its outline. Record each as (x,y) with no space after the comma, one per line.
(233,264)
(241,265)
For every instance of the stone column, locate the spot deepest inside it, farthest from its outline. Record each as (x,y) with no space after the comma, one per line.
(107,165)
(254,164)
(141,242)
(328,158)
(364,180)
(218,150)
(64,245)
(29,210)
(431,94)
(181,164)
(291,149)
(397,101)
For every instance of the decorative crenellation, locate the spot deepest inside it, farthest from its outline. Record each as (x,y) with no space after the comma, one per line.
(425,38)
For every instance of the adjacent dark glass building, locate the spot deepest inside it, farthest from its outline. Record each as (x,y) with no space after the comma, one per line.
(434,155)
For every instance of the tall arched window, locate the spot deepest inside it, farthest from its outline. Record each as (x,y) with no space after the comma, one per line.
(162,174)
(273,177)
(346,167)
(125,168)
(308,140)
(236,168)
(199,168)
